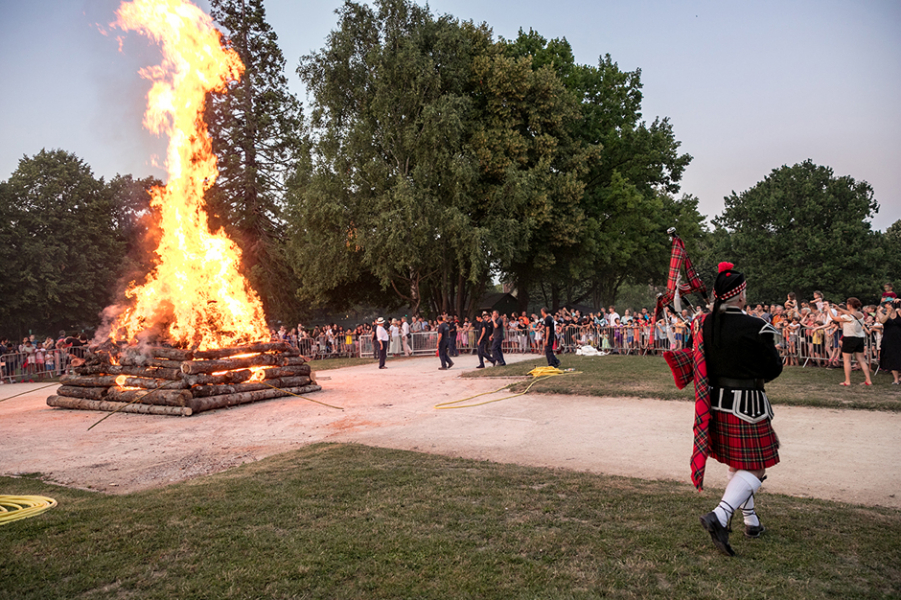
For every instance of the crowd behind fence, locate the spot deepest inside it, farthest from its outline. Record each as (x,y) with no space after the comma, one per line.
(804,347)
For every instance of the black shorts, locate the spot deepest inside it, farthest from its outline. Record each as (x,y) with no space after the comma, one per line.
(852,345)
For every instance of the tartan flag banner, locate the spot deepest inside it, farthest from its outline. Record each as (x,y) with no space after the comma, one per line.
(678,259)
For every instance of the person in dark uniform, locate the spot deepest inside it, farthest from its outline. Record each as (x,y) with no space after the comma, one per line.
(485,331)
(497,339)
(550,336)
(443,343)
(452,336)
(741,356)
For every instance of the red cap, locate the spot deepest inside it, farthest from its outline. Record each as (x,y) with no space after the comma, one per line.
(726,266)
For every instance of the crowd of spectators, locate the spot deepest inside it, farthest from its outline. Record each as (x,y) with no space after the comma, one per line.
(810,332)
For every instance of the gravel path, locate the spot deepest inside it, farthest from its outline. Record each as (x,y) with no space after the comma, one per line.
(826,453)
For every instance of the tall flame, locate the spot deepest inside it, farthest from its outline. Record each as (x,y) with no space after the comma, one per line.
(196,293)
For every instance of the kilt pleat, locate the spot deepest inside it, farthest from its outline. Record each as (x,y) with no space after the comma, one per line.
(743,445)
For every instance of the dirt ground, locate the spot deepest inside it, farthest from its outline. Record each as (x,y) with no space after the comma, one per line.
(850,456)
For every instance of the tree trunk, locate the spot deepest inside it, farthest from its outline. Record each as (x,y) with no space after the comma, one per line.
(226,390)
(249,349)
(225,378)
(231,364)
(144,409)
(157,397)
(213,402)
(173,374)
(72,391)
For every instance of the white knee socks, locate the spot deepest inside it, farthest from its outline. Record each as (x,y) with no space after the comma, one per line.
(739,493)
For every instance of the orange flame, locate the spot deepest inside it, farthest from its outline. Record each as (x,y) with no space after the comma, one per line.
(120,380)
(196,292)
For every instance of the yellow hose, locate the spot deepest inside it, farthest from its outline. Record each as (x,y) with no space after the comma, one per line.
(537,373)
(14,508)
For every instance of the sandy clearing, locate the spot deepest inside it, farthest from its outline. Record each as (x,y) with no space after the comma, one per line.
(850,456)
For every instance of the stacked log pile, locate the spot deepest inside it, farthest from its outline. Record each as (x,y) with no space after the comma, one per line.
(170,381)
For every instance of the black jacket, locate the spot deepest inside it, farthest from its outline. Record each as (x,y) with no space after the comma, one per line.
(746,350)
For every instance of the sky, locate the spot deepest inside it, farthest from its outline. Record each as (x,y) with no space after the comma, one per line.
(747,86)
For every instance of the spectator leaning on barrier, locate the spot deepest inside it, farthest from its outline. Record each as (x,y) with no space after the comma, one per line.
(853,340)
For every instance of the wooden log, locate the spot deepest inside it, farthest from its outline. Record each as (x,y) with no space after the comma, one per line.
(151,352)
(144,409)
(291,361)
(143,361)
(278,372)
(225,378)
(281,347)
(172,374)
(203,391)
(73,391)
(158,397)
(230,364)
(150,384)
(171,353)
(213,402)
(94,381)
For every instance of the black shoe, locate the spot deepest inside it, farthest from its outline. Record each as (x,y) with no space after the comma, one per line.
(442,368)
(451,364)
(718,533)
(480,367)
(383,367)
(754,531)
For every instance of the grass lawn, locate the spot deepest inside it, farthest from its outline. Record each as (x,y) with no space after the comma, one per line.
(649,377)
(348,521)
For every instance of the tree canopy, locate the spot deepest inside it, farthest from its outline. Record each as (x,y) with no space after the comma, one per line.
(60,252)
(803,229)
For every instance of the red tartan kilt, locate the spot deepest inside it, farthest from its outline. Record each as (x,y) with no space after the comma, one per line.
(743,445)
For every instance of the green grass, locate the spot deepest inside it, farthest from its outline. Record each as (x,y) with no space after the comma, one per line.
(346,521)
(649,377)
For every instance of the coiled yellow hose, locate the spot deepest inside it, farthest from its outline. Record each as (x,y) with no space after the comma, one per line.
(537,373)
(15,508)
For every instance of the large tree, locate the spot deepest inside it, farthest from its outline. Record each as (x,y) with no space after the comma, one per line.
(437,157)
(629,182)
(803,229)
(256,126)
(60,251)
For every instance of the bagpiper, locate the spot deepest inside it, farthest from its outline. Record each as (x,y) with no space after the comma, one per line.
(733,355)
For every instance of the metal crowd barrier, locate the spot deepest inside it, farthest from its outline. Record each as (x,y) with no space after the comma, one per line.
(802,348)
(37,365)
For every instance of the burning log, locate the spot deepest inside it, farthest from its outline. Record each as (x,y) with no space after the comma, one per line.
(214,366)
(149,384)
(224,390)
(91,393)
(172,374)
(277,372)
(171,353)
(141,360)
(213,402)
(225,378)
(144,409)
(156,397)
(280,347)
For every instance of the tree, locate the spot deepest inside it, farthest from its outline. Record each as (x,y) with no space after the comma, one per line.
(632,171)
(60,249)
(257,132)
(891,240)
(803,229)
(436,156)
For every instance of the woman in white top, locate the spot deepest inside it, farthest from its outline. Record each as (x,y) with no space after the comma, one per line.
(395,347)
(853,339)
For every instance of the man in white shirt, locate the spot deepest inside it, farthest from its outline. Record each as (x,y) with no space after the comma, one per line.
(405,335)
(612,316)
(381,335)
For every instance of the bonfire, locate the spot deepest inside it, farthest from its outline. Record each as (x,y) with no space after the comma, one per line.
(193,335)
